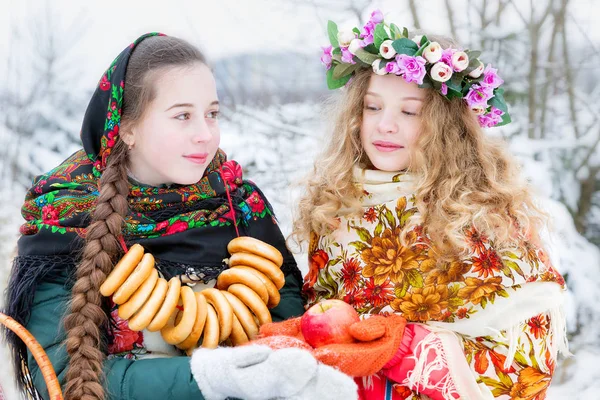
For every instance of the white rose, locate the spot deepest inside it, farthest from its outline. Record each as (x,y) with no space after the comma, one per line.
(345,37)
(377,67)
(387,50)
(441,72)
(460,61)
(417,40)
(433,52)
(476,73)
(479,110)
(355,44)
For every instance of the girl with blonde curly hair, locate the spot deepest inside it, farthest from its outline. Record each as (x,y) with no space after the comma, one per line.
(412,210)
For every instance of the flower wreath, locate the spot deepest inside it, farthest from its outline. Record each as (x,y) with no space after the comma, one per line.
(388,50)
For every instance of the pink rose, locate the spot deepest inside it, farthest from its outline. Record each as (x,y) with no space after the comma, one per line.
(491,119)
(447,56)
(347,57)
(376,17)
(444,89)
(392,68)
(479,95)
(491,78)
(411,68)
(326,58)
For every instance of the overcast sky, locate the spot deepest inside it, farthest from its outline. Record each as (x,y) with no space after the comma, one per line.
(100,29)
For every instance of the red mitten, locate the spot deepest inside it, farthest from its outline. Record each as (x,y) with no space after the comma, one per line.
(378,339)
(281,335)
(289,327)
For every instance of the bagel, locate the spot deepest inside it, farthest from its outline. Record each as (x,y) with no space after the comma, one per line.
(168,307)
(144,315)
(252,245)
(224,311)
(135,280)
(122,270)
(210,335)
(191,341)
(252,300)
(174,333)
(140,296)
(261,264)
(238,275)
(274,296)
(238,335)
(243,314)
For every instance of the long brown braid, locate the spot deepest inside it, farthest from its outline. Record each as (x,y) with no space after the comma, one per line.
(87,319)
(87,315)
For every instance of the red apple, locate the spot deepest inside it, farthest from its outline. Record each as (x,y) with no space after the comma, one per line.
(327,322)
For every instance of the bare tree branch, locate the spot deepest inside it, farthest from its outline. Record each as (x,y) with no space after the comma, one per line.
(569,74)
(558,24)
(518,10)
(415,15)
(450,12)
(587,188)
(501,7)
(534,26)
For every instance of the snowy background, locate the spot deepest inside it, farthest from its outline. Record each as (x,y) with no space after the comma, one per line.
(265,56)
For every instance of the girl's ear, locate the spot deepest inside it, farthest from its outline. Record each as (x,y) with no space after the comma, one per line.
(127,135)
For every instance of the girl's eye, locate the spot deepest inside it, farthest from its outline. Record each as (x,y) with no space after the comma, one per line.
(372,108)
(183,116)
(213,114)
(409,113)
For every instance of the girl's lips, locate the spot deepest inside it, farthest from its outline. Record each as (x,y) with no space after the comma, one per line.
(197,158)
(386,146)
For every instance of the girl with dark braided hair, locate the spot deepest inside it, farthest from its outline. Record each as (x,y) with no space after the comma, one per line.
(150,172)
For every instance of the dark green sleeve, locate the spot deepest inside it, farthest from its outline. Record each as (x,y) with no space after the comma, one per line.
(291,304)
(155,378)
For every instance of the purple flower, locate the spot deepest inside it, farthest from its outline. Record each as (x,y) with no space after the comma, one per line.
(376,17)
(479,95)
(491,78)
(368,29)
(492,118)
(327,56)
(392,68)
(447,56)
(444,89)
(367,40)
(411,68)
(367,32)
(347,56)
(496,111)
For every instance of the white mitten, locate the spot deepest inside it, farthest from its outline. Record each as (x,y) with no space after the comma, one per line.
(252,372)
(328,384)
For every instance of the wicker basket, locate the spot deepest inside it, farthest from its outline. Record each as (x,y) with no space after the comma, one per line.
(38,353)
